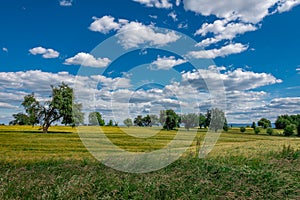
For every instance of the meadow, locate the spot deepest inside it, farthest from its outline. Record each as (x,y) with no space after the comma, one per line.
(57,165)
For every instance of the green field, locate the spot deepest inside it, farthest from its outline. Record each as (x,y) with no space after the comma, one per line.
(58,166)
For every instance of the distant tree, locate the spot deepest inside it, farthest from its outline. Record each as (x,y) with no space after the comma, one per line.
(190,120)
(256,130)
(169,119)
(217,119)
(116,123)
(282,121)
(207,118)
(265,123)
(253,125)
(154,120)
(78,115)
(128,122)
(225,127)
(289,130)
(138,121)
(202,121)
(242,129)
(110,123)
(95,119)
(146,120)
(20,119)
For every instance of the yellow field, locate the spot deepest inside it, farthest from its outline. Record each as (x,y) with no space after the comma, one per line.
(26,143)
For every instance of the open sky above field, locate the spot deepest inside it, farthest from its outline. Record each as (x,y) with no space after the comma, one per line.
(129,57)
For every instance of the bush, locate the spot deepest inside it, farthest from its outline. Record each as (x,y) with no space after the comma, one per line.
(269,131)
(256,130)
(242,129)
(288,130)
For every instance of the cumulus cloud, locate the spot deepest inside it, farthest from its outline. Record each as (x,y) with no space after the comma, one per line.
(104,24)
(222,52)
(222,29)
(298,70)
(166,63)
(237,80)
(155,3)
(65,3)
(4,49)
(251,11)
(87,60)
(132,34)
(46,53)
(287,5)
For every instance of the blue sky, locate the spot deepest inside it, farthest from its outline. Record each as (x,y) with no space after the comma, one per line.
(134,57)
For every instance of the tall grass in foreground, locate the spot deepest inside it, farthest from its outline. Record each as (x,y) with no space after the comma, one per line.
(57,166)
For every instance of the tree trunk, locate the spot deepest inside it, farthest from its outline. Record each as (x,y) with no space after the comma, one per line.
(45,128)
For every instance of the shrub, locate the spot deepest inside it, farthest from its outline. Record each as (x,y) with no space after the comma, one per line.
(289,130)
(256,130)
(269,131)
(242,129)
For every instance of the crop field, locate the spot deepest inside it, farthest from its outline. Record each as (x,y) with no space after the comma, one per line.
(57,165)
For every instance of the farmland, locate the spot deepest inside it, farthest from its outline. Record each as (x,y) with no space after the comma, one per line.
(58,166)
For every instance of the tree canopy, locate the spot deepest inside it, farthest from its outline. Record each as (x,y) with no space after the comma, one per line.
(60,107)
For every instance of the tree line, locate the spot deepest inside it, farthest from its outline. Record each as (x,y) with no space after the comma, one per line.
(62,108)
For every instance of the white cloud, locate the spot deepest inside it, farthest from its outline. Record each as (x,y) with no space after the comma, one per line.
(155,3)
(173,16)
(104,24)
(46,53)
(4,49)
(133,34)
(287,5)
(222,29)
(166,63)
(7,106)
(178,2)
(251,11)
(222,52)
(291,103)
(65,2)
(237,80)
(87,60)
(298,70)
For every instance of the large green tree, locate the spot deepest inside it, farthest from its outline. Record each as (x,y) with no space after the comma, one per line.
(169,119)
(95,118)
(60,107)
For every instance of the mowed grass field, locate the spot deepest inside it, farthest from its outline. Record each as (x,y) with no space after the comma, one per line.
(57,165)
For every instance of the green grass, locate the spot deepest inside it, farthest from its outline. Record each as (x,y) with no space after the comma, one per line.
(57,165)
